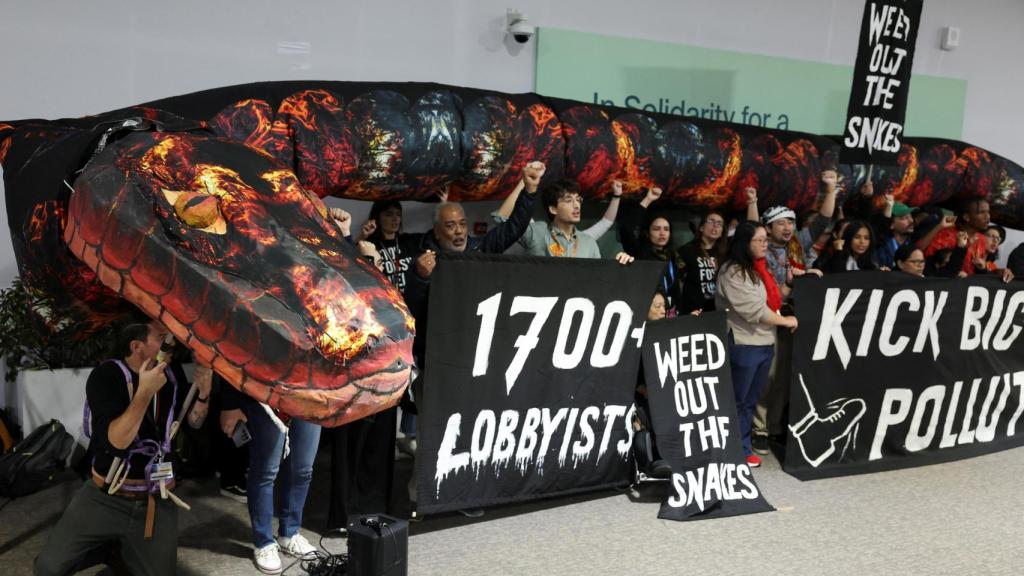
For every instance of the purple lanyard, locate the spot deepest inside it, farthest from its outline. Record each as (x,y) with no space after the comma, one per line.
(155,450)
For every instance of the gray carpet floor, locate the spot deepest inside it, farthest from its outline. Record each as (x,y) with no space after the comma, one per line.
(959,518)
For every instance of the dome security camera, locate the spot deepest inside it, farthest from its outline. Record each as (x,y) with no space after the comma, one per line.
(518,27)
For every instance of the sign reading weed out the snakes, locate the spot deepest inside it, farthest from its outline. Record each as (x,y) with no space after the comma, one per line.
(693,409)
(529,379)
(893,371)
(881,82)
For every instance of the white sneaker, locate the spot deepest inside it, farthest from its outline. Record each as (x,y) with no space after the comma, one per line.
(297,546)
(267,560)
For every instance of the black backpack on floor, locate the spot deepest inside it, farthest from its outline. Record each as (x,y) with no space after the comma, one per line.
(33,462)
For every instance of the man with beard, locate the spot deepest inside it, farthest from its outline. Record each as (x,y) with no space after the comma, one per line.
(451,234)
(893,230)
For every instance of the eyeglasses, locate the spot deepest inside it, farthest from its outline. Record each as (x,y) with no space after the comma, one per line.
(715,223)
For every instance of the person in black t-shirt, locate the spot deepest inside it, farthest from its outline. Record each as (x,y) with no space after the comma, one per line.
(700,258)
(131,408)
(396,248)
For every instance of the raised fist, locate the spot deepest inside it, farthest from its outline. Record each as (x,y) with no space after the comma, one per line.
(532,173)
(342,219)
(751,194)
(830,178)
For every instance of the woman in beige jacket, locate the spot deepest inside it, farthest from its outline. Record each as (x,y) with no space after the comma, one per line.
(751,299)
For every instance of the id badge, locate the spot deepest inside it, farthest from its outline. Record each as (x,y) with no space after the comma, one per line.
(161,471)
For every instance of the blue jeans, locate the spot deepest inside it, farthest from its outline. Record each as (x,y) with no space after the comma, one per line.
(265,450)
(750,365)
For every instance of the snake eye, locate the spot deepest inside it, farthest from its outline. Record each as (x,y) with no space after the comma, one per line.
(198,210)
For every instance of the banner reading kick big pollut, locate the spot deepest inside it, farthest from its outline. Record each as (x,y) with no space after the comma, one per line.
(881,82)
(693,407)
(530,372)
(892,371)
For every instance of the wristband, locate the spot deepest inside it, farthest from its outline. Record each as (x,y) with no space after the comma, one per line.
(616,195)
(202,400)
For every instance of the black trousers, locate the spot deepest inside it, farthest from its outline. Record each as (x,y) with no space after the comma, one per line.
(96,518)
(362,467)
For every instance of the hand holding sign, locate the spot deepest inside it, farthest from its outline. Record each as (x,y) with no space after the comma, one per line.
(693,410)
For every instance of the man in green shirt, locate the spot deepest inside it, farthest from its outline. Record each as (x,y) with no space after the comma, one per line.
(558,236)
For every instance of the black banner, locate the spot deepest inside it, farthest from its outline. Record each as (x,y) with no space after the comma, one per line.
(693,408)
(530,372)
(892,371)
(881,82)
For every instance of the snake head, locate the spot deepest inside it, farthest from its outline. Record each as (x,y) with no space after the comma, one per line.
(225,247)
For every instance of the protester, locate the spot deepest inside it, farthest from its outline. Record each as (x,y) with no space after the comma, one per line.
(786,259)
(751,298)
(893,230)
(645,448)
(791,252)
(947,263)
(270,436)
(450,234)
(558,236)
(856,254)
(995,235)
(383,229)
(974,221)
(649,237)
(390,252)
(700,258)
(910,259)
(131,414)
(596,231)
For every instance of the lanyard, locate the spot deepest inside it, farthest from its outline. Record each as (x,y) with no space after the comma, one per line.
(173,381)
(151,448)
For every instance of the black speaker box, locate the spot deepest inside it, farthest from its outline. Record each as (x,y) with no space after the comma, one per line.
(378,545)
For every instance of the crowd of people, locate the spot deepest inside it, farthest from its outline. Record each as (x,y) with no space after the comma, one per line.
(743,263)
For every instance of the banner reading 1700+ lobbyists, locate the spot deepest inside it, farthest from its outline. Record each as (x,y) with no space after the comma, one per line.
(892,371)
(530,373)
